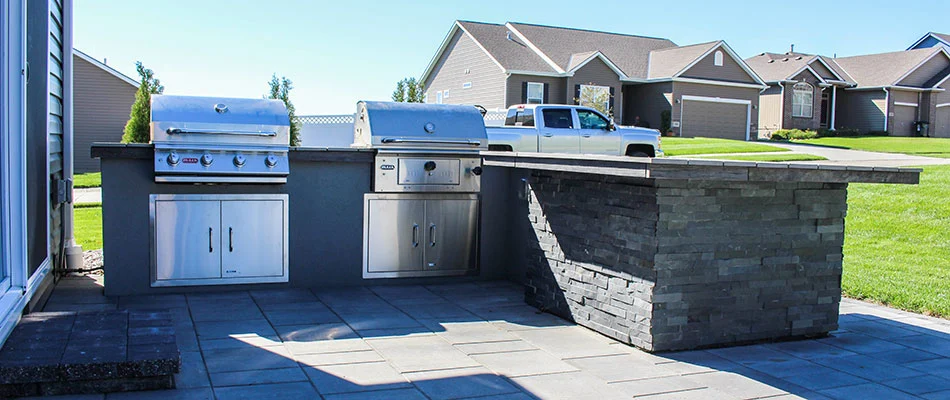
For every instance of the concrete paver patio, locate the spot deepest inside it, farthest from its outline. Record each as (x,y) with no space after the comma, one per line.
(479,340)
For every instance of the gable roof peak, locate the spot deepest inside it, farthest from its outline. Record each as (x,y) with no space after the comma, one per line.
(586,30)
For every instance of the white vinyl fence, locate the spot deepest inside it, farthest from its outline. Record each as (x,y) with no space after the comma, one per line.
(337,130)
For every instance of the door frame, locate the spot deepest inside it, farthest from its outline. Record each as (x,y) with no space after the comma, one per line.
(748,111)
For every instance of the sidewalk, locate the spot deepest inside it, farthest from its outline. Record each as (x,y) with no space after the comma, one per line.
(87,195)
(843,156)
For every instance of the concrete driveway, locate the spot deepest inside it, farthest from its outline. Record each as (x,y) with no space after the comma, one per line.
(857,157)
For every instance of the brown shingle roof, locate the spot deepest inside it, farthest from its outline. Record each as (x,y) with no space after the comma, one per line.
(511,54)
(629,53)
(665,63)
(883,69)
(774,67)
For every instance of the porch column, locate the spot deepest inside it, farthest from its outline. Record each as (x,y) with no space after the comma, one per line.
(834,99)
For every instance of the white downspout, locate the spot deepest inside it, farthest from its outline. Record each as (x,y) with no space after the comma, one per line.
(73,251)
(887,106)
(834,99)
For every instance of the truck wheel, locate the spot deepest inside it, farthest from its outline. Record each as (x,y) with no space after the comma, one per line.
(637,154)
(637,151)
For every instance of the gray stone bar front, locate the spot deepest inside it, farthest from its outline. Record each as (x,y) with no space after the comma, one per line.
(672,254)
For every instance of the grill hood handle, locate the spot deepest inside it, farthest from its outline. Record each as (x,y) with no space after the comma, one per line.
(465,142)
(179,131)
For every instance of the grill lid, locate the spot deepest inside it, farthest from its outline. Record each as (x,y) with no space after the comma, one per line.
(416,126)
(218,120)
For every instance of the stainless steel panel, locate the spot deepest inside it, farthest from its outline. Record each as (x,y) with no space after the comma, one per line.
(217,160)
(451,226)
(187,240)
(414,125)
(393,235)
(428,171)
(219,179)
(252,240)
(399,236)
(194,119)
(394,175)
(180,226)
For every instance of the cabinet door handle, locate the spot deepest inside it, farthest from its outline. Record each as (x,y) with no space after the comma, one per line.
(210,236)
(230,239)
(432,235)
(415,235)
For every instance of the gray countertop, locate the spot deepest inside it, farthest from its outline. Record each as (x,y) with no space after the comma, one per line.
(317,154)
(679,168)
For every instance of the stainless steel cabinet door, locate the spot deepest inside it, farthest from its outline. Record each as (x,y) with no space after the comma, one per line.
(450,234)
(395,235)
(252,238)
(187,240)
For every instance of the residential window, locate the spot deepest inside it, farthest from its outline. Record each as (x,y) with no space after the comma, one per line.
(438,97)
(467,85)
(520,117)
(535,93)
(803,99)
(591,120)
(445,94)
(596,97)
(717,58)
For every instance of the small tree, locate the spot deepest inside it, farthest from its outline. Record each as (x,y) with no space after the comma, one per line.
(408,90)
(136,129)
(280,90)
(599,100)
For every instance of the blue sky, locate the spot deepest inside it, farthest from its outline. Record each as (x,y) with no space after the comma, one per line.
(340,52)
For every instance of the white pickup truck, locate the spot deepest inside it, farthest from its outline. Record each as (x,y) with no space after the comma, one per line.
(570,129)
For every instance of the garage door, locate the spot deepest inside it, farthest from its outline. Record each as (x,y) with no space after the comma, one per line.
(903,120)
(715,117)
(941,127)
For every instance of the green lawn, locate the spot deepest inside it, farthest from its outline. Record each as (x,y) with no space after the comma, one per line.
(920,146)
(779,157)
(897,243)
(87,226)
(676,146)
(90,180)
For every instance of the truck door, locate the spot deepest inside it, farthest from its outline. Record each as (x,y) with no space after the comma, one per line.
(559,133)
(595,135)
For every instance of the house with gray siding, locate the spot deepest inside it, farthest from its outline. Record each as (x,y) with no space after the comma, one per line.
(705,89)
(35,152)
(102,100)
(886,92)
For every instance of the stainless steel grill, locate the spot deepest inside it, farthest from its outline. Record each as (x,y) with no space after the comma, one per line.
(422,219)
(213,139)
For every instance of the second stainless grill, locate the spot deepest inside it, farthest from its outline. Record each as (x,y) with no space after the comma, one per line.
(422,219)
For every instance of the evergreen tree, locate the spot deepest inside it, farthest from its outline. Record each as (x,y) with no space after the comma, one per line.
(408,90)
(399,95)
(280,90)
(136,129)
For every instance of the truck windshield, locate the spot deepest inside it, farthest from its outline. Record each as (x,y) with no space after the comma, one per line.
(520,117)
(558,118)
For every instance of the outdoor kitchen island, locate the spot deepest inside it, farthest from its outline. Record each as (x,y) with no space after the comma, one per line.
(661,254)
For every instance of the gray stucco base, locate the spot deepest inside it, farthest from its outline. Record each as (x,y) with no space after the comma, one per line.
(680,264)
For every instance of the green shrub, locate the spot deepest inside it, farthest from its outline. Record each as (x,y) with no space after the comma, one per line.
(793,134)
(878,133)
(840,132)
(665,121)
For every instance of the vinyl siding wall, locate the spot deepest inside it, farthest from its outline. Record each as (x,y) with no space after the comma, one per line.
(101,107)
(940,120)
(56,106)
(596,72)
(928,42)
(860,109)
(463,61)
(821,70)
(729,71)
(695,89)
(647,101)
(770,111)
(926,72)
(557,93)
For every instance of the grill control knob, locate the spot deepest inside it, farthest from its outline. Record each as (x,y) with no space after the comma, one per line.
(270,161)
(477,171)
(206,159)
(239,160)
(429,165)
(173,158)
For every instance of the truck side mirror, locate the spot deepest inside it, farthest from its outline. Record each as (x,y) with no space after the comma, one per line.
(611,126)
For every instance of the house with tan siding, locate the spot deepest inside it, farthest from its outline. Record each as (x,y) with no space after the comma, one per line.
(102,100)
(891,92)
(706,89)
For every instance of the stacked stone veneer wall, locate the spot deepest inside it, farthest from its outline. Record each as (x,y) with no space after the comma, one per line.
(680,264)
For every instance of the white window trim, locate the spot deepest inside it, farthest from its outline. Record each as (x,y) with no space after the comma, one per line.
(717,58)
(445,94)
(13,232)
(438,97)
(527,98)
(799,112)
(905,104)
(605,88)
